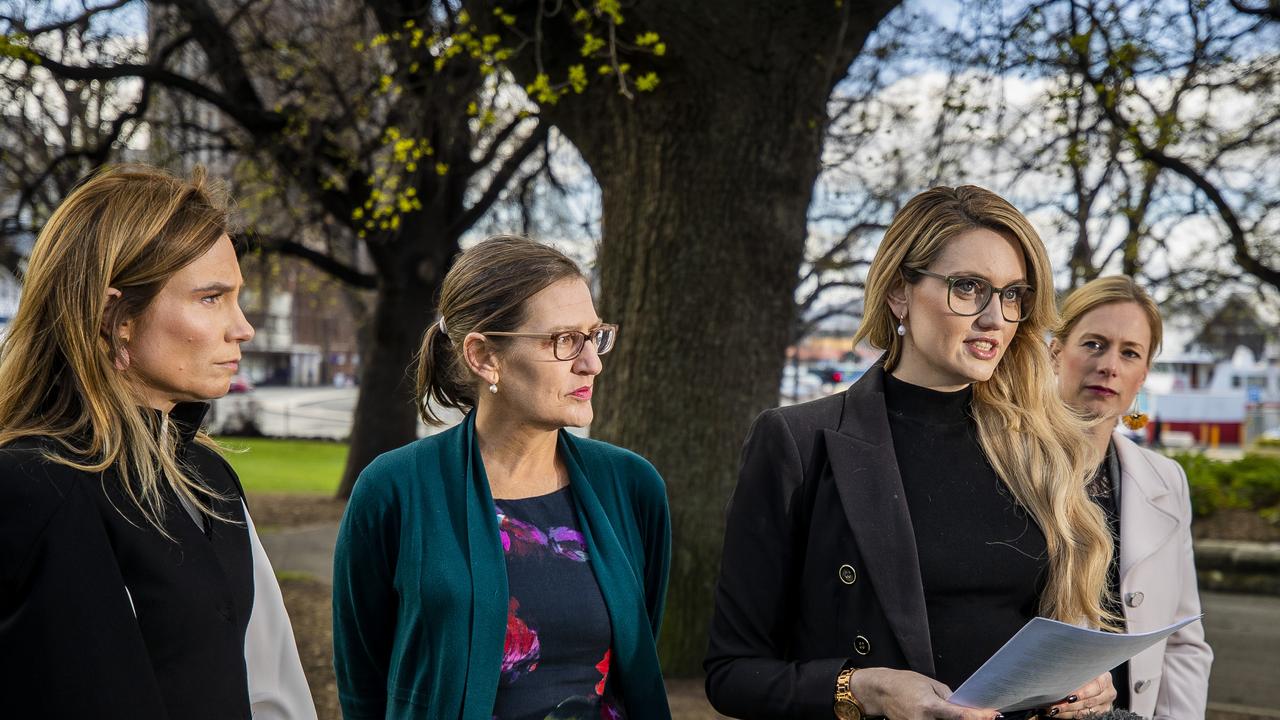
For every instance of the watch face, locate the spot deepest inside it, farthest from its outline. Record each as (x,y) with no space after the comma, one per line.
(846,710)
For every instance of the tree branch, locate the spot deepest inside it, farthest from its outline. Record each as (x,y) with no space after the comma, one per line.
(1271,11)
(325,263)
(499,182)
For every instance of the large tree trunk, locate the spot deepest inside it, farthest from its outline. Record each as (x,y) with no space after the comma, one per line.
(706,185)
(700,272)
(385,416)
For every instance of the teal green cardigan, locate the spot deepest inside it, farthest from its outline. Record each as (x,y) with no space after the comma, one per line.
(420,580)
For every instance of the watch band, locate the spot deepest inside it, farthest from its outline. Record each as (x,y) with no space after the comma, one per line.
(847,706)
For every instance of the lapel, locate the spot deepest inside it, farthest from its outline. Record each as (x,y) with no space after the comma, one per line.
(1145,525)
(619,582)
(865,471)
(487,569)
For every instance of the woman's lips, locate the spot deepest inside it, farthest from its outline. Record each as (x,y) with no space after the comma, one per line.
(582,393)
(982,348)
(1101,391)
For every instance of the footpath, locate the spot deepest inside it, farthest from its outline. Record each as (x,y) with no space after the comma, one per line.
(1240,590)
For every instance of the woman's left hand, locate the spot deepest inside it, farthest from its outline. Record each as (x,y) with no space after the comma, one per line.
(1092,698)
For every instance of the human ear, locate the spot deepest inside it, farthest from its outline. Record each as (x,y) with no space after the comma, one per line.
(480,357)
(898,298)
(119,334)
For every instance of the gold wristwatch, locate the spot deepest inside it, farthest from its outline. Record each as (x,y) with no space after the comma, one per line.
(847,706)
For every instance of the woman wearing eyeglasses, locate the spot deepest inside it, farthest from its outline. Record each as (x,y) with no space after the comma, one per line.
(505,568)
(1102,347)
(883,543)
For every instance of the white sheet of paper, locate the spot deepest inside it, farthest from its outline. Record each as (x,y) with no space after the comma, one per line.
(1045,660)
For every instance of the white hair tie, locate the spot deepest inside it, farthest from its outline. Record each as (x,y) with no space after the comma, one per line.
(441,325)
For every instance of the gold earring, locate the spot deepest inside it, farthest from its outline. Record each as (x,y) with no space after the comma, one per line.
(1135,419)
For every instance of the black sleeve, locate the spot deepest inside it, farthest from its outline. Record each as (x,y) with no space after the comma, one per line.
(747,673)
(69,642)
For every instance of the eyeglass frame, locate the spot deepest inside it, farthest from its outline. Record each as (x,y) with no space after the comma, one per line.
(586,336)
(951,281)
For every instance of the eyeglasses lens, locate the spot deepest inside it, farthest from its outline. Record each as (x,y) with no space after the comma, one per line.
(970,296)
(603,338)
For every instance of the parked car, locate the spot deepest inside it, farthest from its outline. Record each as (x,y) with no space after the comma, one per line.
(837,374)
(239,414)
(828,374)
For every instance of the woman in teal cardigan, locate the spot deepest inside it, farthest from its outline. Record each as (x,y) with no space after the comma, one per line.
(505,568)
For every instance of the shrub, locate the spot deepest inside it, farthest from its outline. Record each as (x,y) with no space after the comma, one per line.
(1252,482)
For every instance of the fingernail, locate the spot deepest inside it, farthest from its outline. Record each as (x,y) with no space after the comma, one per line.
(1072,698)
(1053,712)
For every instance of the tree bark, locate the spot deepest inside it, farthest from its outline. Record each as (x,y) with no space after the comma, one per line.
(409,276)
(706,185)
(700,272)
(385,416)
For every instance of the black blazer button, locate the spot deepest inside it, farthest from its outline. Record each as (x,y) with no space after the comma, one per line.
(848,575)
(861,645)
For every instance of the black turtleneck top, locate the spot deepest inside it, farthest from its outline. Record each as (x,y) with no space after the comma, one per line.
(983,560)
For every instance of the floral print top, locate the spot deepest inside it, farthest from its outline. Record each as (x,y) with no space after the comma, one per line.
(556,657)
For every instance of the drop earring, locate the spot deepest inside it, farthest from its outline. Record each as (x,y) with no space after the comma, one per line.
(493,387)
(121,361)
(1135,419)
(902,328)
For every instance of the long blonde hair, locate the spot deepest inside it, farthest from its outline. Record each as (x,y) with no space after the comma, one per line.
(1033,442)
(1104,291)
(130,228)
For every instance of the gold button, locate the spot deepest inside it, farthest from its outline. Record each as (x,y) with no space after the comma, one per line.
(848,575)
(861,645)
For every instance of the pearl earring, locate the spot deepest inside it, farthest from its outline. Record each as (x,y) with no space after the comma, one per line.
(493,388)
(902,329)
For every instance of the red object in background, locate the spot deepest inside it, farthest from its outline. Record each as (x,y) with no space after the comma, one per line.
(837,376)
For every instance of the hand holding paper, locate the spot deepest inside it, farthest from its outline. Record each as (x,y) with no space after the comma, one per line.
(1047,659)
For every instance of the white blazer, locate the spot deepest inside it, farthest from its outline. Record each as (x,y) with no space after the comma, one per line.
(278,687)
(1169,681)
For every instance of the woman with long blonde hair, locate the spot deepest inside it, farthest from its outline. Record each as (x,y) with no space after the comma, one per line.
(883,543)
(132,583)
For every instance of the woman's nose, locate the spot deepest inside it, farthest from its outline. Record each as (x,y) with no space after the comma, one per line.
(588,361)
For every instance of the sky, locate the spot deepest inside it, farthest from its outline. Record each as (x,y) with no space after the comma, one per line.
(914,80)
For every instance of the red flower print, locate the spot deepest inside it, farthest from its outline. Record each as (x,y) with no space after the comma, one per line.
(602,667)
(521,650)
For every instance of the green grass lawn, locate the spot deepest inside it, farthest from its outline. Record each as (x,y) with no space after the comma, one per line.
(267,465)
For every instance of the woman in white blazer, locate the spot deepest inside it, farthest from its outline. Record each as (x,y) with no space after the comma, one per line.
(1108,334)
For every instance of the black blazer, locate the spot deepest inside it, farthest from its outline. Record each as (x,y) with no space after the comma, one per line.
(103,617)
(820,565)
